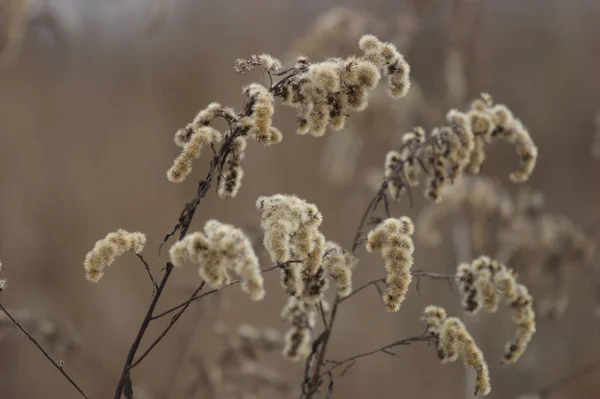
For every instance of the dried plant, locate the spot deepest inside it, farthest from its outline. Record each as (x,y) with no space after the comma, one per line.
(325,94)
(452,341)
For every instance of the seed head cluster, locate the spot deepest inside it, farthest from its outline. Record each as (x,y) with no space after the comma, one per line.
(301,317)
(191,149)
(106,251)
(216,251)
(393,238)
(452,340)
(255,122)
(266,61)
(292,238)
(457,148)
(326,92)
(483,283)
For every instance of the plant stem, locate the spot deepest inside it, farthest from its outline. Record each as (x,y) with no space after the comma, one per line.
(39,346)
(141,332)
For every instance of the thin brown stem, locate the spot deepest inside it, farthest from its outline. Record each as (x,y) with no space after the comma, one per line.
(195,296)
(57,365)
(362,287)
(383,349)
(314,381)
(147,266)
(125,379)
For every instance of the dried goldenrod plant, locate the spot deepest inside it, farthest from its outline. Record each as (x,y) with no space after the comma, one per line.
(291,233)
(219,249)
(452,341)
(106,251)
(393,237)
(483,283)
(325,94)
(450,151)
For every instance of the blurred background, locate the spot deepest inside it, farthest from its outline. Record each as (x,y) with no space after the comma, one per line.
(91,93)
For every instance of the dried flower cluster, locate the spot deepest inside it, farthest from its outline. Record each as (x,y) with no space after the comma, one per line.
(218,250)
(255,122)
(266,61)
(483,283)
(292,233)
(191,142)
(452,341)
(326,92)
(106,251)
(301,317)
(457,148)
(393,237)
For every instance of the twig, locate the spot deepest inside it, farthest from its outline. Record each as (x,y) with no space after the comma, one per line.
(322,312)
(362,287)
(147,266)
(37,344)
(415,273)
(313,384)
(195,295)
(138,339)
(383,349)
(165,331)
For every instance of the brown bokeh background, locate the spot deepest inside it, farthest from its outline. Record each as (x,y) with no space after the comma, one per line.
(87,114)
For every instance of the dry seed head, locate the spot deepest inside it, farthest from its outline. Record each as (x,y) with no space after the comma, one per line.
(314,285)
(393,238)
(370,44)
(178,253)
(106,251)
(325,77)
(366,74)
(452,341)
(397,287)
(210,113)
(231,179)
(339,265)
(483,283)
(182,165)
(266,61)
(297,343)
(528,154)
(221,248)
